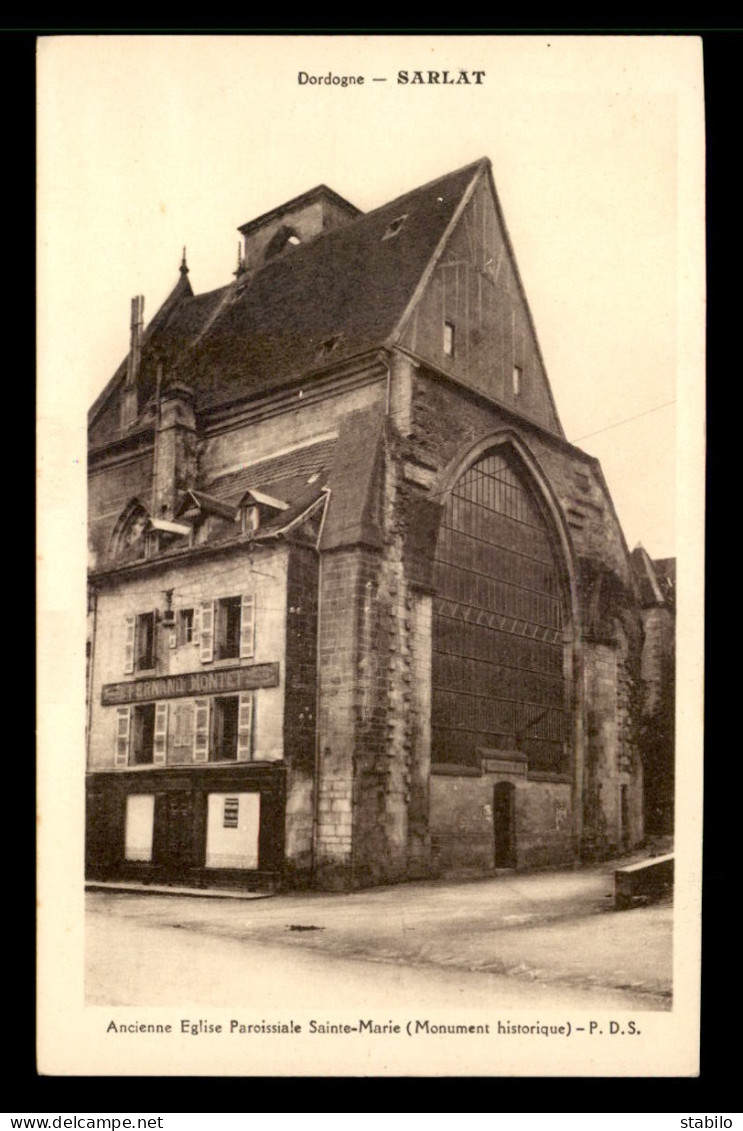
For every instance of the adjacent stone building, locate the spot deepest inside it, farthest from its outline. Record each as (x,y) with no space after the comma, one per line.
(359,611)
(657,585)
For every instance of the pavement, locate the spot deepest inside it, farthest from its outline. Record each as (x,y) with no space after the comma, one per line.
(135,888)
(552,929)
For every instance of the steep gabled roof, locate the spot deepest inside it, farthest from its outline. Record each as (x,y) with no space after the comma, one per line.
(275,475)
(333,298)
(206,504)
(159,332)
(337,296)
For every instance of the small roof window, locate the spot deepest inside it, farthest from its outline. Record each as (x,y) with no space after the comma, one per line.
(283,238)
(395,227)
(328,345)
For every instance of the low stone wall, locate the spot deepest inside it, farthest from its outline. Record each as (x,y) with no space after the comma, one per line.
(644,882)
(462,821)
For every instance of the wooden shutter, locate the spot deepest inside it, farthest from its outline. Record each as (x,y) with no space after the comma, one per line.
(196,630)
(129,646)
(123,730)
(207,631)
(245,728)
(160,735)
(247,626)
(201,731)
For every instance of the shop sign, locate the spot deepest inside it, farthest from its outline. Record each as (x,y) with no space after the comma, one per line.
(191,683)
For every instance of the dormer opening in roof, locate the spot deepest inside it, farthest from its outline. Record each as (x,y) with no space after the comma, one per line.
(256,507)
(285,238)
(329,345)
(312,214)
(395,227)
(209,517)
(164,535)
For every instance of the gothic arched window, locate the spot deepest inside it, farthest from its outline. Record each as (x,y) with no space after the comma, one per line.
(498,624)
(129,536)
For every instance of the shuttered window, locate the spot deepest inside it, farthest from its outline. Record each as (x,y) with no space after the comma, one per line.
(247,626)
(226,630)
(123,727)
(245,728)
(180,732)
(144,642)
(129,646)
(160,735)
(185,627)
(207,632)
(142,740)
(225,725)
(139,643)
(201,730)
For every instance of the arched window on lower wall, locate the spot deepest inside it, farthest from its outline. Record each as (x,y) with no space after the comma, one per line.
(499,621)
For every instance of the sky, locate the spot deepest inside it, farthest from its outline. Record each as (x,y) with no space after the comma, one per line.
(147,144)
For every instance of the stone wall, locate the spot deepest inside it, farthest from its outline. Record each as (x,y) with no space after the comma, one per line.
(343,584)
(292,421)
(300,705)
(659,723)
(445,421)
(613,761)
(602,656)
(110,488)
(462,830)
(375,640)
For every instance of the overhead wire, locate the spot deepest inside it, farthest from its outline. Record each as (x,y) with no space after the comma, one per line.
(626,420)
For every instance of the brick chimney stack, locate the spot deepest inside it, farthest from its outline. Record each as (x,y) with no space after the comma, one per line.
(129,399)
(135,339)
(175,449)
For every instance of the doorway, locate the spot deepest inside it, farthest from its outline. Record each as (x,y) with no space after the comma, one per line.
(504,820)
(173,840)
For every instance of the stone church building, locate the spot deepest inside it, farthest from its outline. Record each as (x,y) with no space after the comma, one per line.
(358,610)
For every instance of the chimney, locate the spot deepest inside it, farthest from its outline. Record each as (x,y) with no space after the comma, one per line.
(135,339)
(174,469)
(129,399)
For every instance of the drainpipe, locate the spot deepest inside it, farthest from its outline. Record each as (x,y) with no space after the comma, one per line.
(579,759)
(90,680)
(318,751)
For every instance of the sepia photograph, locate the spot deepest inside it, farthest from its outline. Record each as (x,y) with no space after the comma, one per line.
(367,366)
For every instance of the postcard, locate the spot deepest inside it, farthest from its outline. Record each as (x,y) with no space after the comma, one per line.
(370,570)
